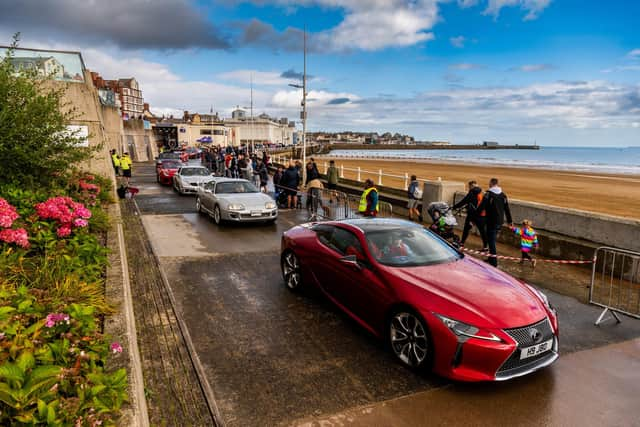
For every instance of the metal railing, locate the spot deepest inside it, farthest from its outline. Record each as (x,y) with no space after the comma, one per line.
(615,283)
(329,205)
(358,173)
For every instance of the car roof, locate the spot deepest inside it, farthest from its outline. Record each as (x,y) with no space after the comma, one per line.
(193,167)
(225,179)
(378,224)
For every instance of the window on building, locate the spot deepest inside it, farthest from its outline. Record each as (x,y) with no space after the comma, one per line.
(205,131)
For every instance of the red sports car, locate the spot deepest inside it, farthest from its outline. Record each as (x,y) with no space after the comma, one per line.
(436,308)
(165,171)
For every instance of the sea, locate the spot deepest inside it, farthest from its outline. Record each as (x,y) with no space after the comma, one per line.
(584,159)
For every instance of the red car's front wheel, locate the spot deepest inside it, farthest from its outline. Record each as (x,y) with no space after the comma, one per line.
(409,339)
(291,270)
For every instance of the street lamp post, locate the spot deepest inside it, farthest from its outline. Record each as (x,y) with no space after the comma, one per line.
(304,108)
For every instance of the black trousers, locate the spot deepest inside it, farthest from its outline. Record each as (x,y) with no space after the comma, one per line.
(480,225)
(492,236)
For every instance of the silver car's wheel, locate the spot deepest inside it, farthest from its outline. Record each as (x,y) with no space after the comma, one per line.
(408,339)
(291,270)
(217,216)
(198,205)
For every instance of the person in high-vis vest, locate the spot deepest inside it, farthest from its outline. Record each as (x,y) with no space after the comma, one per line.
(369,200)
(115,160)
(125,164)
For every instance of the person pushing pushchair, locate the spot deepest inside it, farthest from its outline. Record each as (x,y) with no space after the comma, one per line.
(443,222)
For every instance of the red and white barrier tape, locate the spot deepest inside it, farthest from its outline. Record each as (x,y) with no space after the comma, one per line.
(512,258)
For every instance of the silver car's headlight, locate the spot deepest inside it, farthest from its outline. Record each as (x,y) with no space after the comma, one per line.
(269,205)
(235,207)
(464,331)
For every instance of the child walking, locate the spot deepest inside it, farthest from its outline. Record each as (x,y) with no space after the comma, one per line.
(528,240)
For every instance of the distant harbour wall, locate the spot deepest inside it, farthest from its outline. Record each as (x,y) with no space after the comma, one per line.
(329,147)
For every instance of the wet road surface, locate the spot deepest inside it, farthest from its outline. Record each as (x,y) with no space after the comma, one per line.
(275,357)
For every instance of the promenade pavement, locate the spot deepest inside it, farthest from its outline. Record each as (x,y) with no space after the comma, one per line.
(273,357)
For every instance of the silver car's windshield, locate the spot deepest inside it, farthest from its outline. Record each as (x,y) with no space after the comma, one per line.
(236,187)
(409,248)
(194,172)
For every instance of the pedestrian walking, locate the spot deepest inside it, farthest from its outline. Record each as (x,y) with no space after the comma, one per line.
(289,183)
(332,175)
(528,241)
(496,205)
(263,175)
(415,196)
(474,216)
(314,185)
(115,160)
(125,164)
(369,200)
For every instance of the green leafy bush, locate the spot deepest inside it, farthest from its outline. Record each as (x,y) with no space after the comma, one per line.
(52,363)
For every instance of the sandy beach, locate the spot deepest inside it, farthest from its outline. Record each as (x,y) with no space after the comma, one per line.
(609,194)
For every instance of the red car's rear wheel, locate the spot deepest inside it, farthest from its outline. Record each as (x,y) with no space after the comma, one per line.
(409,339)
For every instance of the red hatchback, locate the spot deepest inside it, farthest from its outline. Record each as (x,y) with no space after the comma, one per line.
(436,308)
(165,171)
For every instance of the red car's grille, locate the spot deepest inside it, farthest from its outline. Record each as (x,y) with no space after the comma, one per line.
(524,337)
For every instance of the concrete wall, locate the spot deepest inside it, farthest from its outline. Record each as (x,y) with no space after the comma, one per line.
(82,98)
(440,191)
(601,229)
(138,141)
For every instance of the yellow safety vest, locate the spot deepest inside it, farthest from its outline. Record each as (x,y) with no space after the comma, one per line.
(115,160)
(363,200)
(125,163)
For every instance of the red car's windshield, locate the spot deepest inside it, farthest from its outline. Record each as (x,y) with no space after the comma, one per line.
(400,247)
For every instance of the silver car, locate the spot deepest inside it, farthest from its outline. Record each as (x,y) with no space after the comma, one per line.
(187,179)
(238,200)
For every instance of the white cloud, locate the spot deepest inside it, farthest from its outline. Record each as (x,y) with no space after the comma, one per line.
(464,66)
(467,3)
(532,68)
(457,41)
(635,53)
(532,7)
(621,68)
(367,25)
(317,100)
(377,24)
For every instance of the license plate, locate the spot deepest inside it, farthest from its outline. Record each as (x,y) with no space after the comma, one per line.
(254,213)
(535,350)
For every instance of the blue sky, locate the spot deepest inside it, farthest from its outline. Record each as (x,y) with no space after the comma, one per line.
(558,72)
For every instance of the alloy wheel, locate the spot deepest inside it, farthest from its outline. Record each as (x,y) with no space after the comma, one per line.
(291,270)
(198,205)
(408,338)
(217,218)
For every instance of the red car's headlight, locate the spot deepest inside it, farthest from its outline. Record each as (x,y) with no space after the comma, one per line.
(463,331)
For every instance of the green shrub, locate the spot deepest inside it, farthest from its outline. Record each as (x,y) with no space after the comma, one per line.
(52,363)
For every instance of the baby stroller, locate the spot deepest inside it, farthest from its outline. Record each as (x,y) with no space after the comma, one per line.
(281,199)
(443,222)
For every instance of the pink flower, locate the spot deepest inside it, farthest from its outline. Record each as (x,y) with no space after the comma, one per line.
(18,236)
(55,318)
(67,213)
(64,230)
(79,222)
(8,214)
(116,347)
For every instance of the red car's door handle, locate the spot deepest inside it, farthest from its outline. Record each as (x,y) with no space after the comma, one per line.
(352,261)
